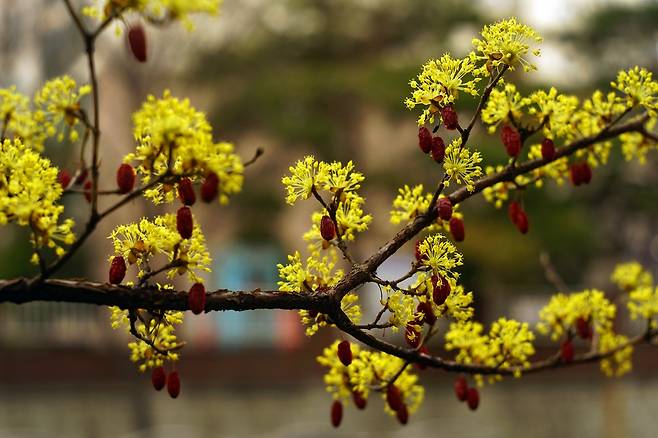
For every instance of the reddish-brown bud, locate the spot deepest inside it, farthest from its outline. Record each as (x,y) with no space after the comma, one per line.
(522,223)
(81,176)
(336,413)
(511,139)
(158,378)
(472,398)
(449,116)
(402,414)
(461,388)
(117,270)
(547,149)
(457,229)
(584,328)
(125,178)
(440,292)
(394,397)
(438,149)
(173,384)
(64,178)
(327,228)
(566,351)
(86,189)
(426,312)
(359,400)
(210,187)
(196,298)
(425,140)
(344,352)
(137,42)
(186,192)
(412,336)
(184,222)
(444,208)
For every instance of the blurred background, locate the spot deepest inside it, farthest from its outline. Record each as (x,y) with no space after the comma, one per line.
(328,78)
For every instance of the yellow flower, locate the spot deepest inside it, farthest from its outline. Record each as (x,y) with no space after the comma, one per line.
(639,87)
(504,105)
(440,255)
(507,42)
(461,165)
(58,103)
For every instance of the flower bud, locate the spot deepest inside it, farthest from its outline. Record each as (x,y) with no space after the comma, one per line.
(64,178)
(196,298)
(158,378)
(137,42)
(344,352)
(327,228)
(184,222)
(438,149)
(186,192)
(87,191)
(449,116)
(547,149)
(457,229)
(125,178)
(444,208)
(393,397)
(424,140)
(472,398)
(173,384)
(412,336)
(359,400)
(566,351)
(336,413)
(461,388)
(511,140)
(117,270)
(440,292)
(209,187)
(402,414)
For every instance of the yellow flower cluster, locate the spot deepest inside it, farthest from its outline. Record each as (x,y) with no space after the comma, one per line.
(409,203)
(639,88)
(633,279)
(30,195)
(440,255)
(507,42)
(175,139)
(461,165)
(369,371)
(139,242)
(636,145)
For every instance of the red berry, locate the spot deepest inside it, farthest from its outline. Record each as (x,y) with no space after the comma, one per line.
(158,378)
(403,414)
(426,312)
(137,42)
(64,178)
(547,149)
(440,292)
(196,298)
(472,398)
(513,210)
(336,413)
(327,228)
(566,351)
(393,397)
(359,400)
(449,116)
(184,222)
(125,178)
(438,149)
(87,191)
(173,384)
(186,192)
(81,176)
(412,336)
(117,270)
(522,223)
(444,209)
(511,139)
(580,173)
(425,140)
(584,328)
(585,173)
(345,352)
(209,187)
(461,388)
(457,229)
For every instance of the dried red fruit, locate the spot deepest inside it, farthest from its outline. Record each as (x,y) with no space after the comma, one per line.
(444,209)
(117,270)
(137,42)
(196,298)
(472,398)
(440,292)
(64,178)
(87,191)
(461,388)
(125,178)
(359,400)
(449,116)
(403,414)
(81,176)
(210,187)
(438,149)
(566,351)
(345,352)
(173,384)
(522,223)
(511,139)
(336,413)
(513,210)
(327,228)
(457,229)
(580,173)
(425,140)
(184,222)
(158,378)
(186,192)
(426,312)
(547,149)
(584,328)
(393,397)
(412,336)
(585,173)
